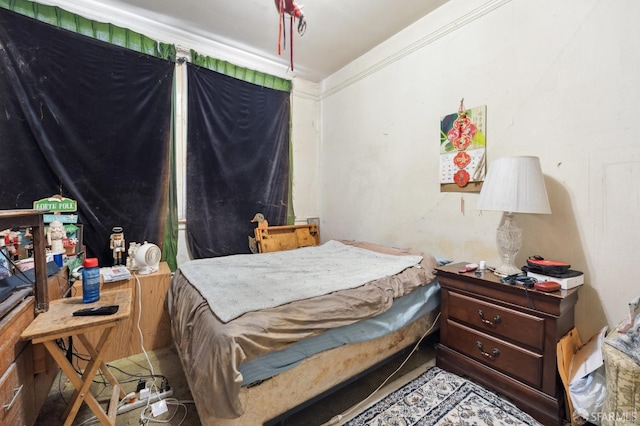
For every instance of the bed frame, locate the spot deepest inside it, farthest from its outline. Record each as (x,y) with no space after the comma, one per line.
(320,374)
(285,393)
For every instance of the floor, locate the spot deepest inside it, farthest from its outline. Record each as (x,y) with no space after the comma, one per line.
(181,411)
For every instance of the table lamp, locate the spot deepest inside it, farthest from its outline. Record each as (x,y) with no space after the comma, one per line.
(513,185)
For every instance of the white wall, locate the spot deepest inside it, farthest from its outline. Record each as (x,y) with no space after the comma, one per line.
(560,80)
(305,133)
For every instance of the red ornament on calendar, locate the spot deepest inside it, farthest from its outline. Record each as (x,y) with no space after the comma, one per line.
(461,178)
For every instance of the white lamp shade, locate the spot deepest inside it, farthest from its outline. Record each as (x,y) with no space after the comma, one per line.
(515,184)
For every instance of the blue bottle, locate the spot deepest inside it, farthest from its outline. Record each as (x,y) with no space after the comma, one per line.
(90,280)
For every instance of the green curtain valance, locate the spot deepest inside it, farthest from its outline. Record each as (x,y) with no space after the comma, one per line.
(244,74)
(124,37)
(110,33)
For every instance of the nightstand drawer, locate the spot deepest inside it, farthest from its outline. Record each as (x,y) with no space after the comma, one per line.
(503,322)
(517,362)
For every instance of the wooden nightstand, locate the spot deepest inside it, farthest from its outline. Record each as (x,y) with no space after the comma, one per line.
(504,337)
(149,293)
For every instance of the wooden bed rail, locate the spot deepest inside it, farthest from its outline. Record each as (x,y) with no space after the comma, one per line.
(278,238)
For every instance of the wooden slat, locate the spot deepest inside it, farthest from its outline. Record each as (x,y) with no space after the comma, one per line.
(278,238)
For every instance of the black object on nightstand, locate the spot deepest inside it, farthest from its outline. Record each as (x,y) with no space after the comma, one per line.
(504,337)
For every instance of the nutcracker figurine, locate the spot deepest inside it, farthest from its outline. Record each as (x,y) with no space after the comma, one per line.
(117,244)
(55,235)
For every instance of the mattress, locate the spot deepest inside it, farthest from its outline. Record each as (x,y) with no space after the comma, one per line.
(212,352)
(404,311)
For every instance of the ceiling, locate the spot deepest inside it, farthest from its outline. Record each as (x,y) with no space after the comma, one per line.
(337,31)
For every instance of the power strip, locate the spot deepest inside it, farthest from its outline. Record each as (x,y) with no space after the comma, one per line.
(143,402)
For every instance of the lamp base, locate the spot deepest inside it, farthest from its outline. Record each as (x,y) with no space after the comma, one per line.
(509,241)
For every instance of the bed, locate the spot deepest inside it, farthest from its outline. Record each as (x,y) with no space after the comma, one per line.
(265,352)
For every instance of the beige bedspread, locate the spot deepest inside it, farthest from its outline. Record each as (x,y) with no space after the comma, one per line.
(235,285)
(212,351)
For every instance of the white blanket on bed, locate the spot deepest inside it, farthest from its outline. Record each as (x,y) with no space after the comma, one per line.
(234,285)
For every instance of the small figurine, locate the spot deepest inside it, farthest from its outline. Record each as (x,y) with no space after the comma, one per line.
(262,222)
(55,235)
(12,240)
(131,256)
(69,245)
(117,244)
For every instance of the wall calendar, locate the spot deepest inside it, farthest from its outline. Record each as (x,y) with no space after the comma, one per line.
(463,149)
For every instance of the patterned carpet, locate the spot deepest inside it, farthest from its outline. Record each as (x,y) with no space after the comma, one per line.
(437,397)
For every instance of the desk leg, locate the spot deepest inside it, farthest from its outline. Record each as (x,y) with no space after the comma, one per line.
(82,383)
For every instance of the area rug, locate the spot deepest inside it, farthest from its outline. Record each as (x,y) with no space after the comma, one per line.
(437,397)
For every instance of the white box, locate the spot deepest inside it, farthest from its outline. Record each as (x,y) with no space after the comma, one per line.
(115,273)
(565,283)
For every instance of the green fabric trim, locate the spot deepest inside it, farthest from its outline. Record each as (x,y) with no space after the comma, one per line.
(170,246)
(110,33)
(245,74)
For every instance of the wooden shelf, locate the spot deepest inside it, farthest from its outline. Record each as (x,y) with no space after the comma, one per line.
(32,219)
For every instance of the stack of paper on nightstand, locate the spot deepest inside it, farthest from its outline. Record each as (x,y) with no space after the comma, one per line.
(115,273)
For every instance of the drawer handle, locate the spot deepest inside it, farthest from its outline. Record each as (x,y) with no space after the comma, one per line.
(496,319)
(16,392)
(493,355)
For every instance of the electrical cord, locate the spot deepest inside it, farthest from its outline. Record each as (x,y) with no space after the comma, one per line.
(144,419)
(138,324)
(137,375)
(526,281)
(133,376)
(153,387)
(336,419)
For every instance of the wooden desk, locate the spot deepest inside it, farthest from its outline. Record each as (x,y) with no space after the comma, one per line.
(58,322)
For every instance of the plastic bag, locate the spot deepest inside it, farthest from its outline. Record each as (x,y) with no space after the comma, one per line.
(587,395)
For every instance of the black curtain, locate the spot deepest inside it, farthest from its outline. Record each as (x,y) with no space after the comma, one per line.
(237,161)
(87,120)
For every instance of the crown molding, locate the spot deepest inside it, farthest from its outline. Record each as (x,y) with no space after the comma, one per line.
(327,89)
